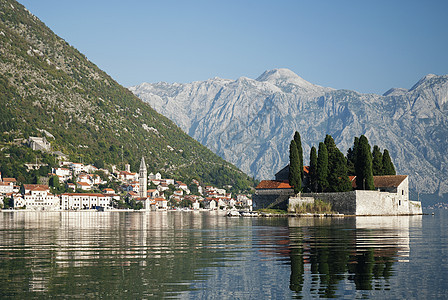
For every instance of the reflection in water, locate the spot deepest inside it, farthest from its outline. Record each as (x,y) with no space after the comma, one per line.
(326,253)
(196,255)
(92,254)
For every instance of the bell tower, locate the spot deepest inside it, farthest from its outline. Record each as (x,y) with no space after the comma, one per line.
(143,179)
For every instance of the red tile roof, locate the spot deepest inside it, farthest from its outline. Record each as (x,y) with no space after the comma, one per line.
(306,169)
(272,184)
(9,180)
(387,181)
(32,187)
(85,194)
(41,189)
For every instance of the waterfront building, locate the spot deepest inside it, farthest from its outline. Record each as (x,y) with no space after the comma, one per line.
(76,201)
(37,197)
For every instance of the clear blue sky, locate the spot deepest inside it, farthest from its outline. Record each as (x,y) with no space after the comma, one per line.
(368,46)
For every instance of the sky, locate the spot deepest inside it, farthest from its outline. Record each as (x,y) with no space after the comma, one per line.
(367,46)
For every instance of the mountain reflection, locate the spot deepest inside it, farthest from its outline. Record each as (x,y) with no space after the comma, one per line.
(327,253)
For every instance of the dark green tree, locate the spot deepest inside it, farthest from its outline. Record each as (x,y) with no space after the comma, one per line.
(377,162)
(294,174)
(298,141)
(363,166)
(312,183)
(54,182)
(322,168)
(338,180)
(388,166)
(351,157)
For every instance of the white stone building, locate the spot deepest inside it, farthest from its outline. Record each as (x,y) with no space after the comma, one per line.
(39,143)
(64,174)
(6,187)
(37,197)
(76,201)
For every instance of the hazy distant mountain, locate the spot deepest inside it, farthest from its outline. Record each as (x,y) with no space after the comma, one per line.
(251,122)
(46,85)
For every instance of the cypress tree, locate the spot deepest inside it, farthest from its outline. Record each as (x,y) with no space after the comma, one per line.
(294,175)
(363,166)
(351,157)
(388,166)
(337,177)
(377,162)
(338,180)
(298,141)
(313,170)
(322,168)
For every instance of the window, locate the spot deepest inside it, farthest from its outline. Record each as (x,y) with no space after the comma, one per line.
(402,192)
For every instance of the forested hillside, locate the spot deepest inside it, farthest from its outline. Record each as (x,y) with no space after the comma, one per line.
(46,84)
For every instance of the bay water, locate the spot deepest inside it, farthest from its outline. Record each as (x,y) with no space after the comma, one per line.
(205,255)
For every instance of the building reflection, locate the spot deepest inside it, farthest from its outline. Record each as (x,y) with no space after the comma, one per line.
(328,253)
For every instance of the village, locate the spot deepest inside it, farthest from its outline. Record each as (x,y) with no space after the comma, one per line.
(82,185)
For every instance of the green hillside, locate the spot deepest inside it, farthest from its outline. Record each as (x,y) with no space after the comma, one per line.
(46,84)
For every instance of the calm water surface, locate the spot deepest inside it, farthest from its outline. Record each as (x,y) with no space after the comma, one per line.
(137,255)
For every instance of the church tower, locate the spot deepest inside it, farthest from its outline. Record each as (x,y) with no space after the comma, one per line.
(143,179)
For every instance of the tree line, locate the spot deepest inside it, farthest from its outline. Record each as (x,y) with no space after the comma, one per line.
(329,169)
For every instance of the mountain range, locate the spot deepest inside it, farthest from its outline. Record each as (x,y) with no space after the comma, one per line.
(49,88)
(250,122)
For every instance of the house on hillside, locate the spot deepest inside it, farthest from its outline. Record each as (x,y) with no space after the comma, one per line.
(83,186)
(153,193)
(7,186)
(126,176)
(38,143)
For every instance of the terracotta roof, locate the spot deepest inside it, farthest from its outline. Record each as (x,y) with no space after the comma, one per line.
(85,194)
(272,184)
(386,181)
(32,187)
(127,173)
(9,180)
(353,181)
(306,169)
(83,183)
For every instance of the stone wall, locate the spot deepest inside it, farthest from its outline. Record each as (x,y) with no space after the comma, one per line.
(368,203)
(293,201)
(264,198)
(343,203)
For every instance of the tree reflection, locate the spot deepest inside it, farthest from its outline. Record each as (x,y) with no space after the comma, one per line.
(327,255)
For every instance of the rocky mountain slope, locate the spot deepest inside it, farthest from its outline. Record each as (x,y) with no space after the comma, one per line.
(47,86)
(250,122)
